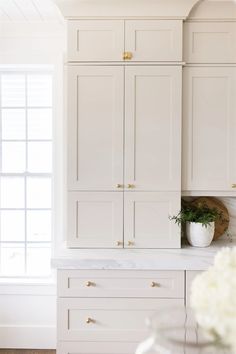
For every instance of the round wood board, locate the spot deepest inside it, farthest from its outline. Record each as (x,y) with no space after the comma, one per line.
(221,226)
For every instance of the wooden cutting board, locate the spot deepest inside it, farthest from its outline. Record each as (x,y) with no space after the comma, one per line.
(221,226)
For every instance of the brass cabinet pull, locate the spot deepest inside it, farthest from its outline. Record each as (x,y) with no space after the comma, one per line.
(90,320)
(130,186)
(153,284)
(130,243)
(89,283)
(119,243)
(234,185)
(119,185)
(127,56)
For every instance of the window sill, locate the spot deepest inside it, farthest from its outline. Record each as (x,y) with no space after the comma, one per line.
(28,286)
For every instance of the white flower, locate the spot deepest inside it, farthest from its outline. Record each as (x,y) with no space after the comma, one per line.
(213,297)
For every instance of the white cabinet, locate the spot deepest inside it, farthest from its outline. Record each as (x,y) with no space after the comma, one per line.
(107,40)
(154,40)
(209,128)
(95,127)
(210,42)
(153,127)
(95,40)
(95,219)
(146,222)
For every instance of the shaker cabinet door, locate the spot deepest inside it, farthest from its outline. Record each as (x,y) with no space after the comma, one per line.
(154,40)
(95,40)
(95,220)
(209,129)
(153,128)
(146,220)
(95,132)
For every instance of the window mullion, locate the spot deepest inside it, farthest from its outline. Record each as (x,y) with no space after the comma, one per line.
(26,166)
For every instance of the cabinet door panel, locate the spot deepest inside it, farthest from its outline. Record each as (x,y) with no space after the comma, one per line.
(154,40)
(95,219)
(210,42)
(95,134)
(146,220)
(209,128)
(95,40)
(153,128)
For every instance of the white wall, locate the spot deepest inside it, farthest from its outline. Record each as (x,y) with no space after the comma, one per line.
(28,310)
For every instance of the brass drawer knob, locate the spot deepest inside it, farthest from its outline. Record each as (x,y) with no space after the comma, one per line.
(130,186)
(153,284)
(90,283)
(119,243)
(90,320)
(119,185)
(130,243)
(234,185)
(127,56)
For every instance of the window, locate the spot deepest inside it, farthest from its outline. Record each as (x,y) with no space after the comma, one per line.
(25,173)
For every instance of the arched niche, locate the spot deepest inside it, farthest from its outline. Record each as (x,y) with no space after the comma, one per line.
(213,10)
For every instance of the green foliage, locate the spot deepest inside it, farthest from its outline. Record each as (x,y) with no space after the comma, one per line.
(200,213)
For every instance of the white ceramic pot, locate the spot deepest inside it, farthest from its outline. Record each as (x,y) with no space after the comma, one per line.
(199,235)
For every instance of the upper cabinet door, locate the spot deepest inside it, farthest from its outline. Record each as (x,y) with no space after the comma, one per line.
(95,127)
(153,128)
(210,42)
(95,40)
(209,128)
(154,40)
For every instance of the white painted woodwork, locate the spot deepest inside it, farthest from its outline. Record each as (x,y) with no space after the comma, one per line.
(125,8)
(94,348)
(153,127)
(213,10)
(95,40)
(190,275)
(209,128)
(112,283)
(146,220)
(210,42)
(154,40)
(95,219)
(117,319)
(95,132)
(29,11)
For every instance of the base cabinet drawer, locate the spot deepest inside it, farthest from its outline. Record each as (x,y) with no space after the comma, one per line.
(95,348)
(111,283)
(100,319)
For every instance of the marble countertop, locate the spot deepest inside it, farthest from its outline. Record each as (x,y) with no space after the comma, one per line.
(186,258)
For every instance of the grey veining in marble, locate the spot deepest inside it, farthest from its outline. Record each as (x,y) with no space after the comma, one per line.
(186,258)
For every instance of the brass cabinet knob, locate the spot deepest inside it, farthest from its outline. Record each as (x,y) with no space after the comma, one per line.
(90,320)
(119,185)
(89,283)
(234,185)
(153,284)
(127,56)
(119,243)
(130,243)
(130,186)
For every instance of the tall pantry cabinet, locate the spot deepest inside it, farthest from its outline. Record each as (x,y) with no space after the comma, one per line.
(124,133)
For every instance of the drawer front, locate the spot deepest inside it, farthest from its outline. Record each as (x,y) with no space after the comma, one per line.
(111,283)
(96,348)
(99,319)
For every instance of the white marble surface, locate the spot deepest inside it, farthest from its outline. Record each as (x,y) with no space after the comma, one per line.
(186,258)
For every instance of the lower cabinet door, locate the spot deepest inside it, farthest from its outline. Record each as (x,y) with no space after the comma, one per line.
(146,220)
(96,348)
(95,220)
(121,320)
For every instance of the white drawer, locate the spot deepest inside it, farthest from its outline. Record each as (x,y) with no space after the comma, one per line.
(96,348)
(100,319)
(111,283)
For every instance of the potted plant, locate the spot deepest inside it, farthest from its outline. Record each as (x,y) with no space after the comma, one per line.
(200,223)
